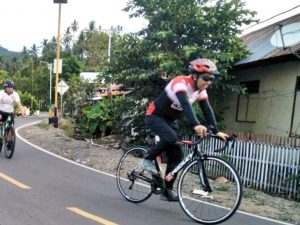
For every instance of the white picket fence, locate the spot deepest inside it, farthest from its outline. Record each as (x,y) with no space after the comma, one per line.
(263,167)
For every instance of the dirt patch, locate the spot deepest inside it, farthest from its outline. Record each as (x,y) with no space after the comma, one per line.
(105,157)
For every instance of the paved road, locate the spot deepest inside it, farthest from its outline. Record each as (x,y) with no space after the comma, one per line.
(39,189)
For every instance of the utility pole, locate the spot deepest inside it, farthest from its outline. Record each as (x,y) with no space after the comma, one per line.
(55,118)
(110,32)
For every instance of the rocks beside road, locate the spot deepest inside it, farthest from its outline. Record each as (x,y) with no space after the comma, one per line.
(102,157)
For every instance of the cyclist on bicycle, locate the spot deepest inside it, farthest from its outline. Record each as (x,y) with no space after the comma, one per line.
(177,99)
(8,99)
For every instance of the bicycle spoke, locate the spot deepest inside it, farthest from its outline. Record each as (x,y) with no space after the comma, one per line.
(133,181)
(9,146)
(217,205)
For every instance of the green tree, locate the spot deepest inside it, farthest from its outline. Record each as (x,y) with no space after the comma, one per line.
(3,76)
(178,32)
(48,52)
(2,63)
(67,39)
(29,100)
(100,118)
(76,98)
(71,67)
(78,47)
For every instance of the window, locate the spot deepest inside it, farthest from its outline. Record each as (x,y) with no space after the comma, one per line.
(295,120)
(298,84)
(247,103)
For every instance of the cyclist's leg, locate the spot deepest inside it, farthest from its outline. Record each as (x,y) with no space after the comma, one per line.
(9,137)
(12,117)
(174,157)
(162,128)
(169,134)
(3,116)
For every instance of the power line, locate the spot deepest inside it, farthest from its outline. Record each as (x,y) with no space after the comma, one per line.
(271,17)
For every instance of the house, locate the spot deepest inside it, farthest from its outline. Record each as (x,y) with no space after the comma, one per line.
(106,90)
(91,77)
(271,74)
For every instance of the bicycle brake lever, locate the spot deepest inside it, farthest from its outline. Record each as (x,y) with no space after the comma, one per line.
(232,137)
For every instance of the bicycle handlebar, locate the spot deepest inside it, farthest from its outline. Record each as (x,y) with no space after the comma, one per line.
(231,138)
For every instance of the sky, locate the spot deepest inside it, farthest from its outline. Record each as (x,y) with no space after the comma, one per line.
(28,22)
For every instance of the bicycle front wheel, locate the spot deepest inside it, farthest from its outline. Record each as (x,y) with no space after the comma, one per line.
(133,181)
(217,204)
(10,143)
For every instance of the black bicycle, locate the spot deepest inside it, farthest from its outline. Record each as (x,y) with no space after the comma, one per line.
(209,187)
(7,137)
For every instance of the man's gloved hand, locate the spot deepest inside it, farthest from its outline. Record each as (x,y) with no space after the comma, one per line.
(200,130)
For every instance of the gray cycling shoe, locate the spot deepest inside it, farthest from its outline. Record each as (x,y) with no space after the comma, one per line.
(169,195)
(149,166)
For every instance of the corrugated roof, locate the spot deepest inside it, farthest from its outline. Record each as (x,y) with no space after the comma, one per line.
(259,42)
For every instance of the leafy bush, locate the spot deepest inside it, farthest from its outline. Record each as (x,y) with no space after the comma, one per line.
(68,126)
(101,118)
(29,100)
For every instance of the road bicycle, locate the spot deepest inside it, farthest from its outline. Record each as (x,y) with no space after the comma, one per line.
(7,137)
(209,187)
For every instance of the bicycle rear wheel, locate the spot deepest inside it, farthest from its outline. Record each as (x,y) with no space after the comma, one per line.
(9,147)
(210,207)
(133,181)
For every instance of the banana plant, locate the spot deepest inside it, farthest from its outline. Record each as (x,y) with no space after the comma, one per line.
(100,116)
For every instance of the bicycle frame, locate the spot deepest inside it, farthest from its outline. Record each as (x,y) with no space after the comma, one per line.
(200,155)
(170,176)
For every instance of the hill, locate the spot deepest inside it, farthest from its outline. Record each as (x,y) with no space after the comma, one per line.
(7,55)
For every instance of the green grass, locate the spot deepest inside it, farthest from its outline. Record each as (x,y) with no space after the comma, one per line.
(223,188)
(68,126)
(249,194)
(261,202)
(43,125)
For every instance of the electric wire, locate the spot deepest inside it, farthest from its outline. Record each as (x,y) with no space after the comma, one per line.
(272,17)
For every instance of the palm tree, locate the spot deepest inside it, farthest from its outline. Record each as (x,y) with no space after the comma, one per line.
(74,26)
(44,46)
(48,51)
(34,50)
(79,46)
(24,55)
(2,63)
(91,29)
(14,66)
(92,26)
(67,39)
(53,43)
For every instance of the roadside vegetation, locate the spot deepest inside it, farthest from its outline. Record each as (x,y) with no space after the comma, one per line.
(178,32)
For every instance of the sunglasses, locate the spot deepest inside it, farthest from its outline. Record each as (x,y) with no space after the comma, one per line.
(207,78)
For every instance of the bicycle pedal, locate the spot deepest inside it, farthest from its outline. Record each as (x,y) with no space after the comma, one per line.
(203,194)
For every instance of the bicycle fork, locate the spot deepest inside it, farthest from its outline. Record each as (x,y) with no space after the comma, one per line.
(202,175)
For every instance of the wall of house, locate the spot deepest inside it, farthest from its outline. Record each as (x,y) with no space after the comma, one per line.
(273,107)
